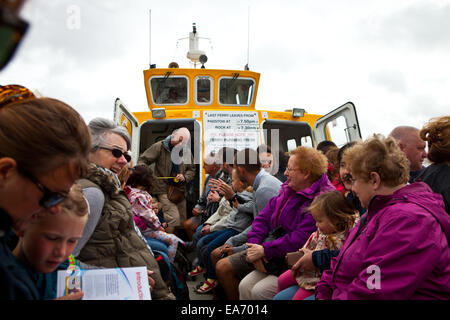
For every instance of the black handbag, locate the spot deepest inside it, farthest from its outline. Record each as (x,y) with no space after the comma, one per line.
(275,266)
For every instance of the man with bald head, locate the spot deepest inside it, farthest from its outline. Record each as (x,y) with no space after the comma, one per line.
(409,141)
(171,159)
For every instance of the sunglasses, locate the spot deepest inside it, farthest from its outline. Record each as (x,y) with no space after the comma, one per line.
(117,153)
(12,30)
(49,198)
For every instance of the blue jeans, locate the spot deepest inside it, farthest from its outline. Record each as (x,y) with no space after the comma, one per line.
(160,247)
(213,241)
(286,294)
(197,235)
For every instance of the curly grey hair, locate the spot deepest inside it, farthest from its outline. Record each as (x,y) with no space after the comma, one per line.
(100,127)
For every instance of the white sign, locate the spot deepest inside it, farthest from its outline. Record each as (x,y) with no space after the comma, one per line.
(235,129)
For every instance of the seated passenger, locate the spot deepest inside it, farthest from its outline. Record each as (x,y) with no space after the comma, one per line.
(284,225)
(44,145)
(48,241)
(334,217)
(265,187)
(111,238)
(399,250)
(437,134)
(138,188)
(234,215)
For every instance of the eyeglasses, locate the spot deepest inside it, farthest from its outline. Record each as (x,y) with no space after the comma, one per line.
(291,169)
(117,153)
(49,198)
(12,30)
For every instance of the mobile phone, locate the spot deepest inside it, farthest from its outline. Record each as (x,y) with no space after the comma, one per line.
(293,257)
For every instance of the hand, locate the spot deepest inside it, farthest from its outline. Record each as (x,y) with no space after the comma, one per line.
(226,248)
(196,212)
(164,225)
(254,252)
(304,263)
(259,265)
(206,229)
(213,196)
(162,229)
(235,203)
(180,177)
(223,188)
(151,282)
(73,296)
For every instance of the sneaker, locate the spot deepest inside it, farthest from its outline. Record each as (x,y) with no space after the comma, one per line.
(198,270)
(207,286)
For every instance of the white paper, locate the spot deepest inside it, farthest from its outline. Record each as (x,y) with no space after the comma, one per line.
(106,284)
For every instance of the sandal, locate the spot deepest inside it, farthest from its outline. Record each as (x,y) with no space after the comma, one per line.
(207,286)
(198,270)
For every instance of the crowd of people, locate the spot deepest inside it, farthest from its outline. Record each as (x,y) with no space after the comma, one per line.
(364,221)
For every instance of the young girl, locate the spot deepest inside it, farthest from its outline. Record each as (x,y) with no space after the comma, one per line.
(334,217)
(138,188)
(48,241)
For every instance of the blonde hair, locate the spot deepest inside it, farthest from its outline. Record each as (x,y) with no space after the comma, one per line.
(75,202)
(437,133)
(381,155)
(336,208)
(312,160)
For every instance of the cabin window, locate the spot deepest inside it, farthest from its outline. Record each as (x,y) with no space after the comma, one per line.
(337,129)
(169,90)
(291,144)
(203,90)
(236,91)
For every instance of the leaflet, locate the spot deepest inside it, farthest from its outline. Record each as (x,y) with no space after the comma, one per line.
(106,284)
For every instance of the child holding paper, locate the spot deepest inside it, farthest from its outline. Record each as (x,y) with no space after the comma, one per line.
(48,241)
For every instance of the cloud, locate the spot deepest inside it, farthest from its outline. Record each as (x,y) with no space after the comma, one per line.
(421,26)
(392,80)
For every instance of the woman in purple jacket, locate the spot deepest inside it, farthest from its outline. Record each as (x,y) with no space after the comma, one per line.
(399,250)
(284,225)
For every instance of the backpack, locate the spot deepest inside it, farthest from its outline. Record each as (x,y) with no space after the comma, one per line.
(173,278)
(182,262)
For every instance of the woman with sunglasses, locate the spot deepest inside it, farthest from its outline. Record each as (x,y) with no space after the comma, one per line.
(110,238)
(44,145)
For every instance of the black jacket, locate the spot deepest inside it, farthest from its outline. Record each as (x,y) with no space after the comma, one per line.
(15,282)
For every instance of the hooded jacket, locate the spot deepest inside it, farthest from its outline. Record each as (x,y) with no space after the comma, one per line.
(287,210)
(115,242)
(401,253)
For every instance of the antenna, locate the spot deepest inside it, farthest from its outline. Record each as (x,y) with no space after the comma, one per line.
(150,41)
(248,39)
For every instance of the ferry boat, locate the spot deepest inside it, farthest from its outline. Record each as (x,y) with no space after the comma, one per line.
(219,108)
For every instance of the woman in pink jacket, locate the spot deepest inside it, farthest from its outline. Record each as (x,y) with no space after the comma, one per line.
(400,248)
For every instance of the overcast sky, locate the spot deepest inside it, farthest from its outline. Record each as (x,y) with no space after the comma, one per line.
(390,58)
